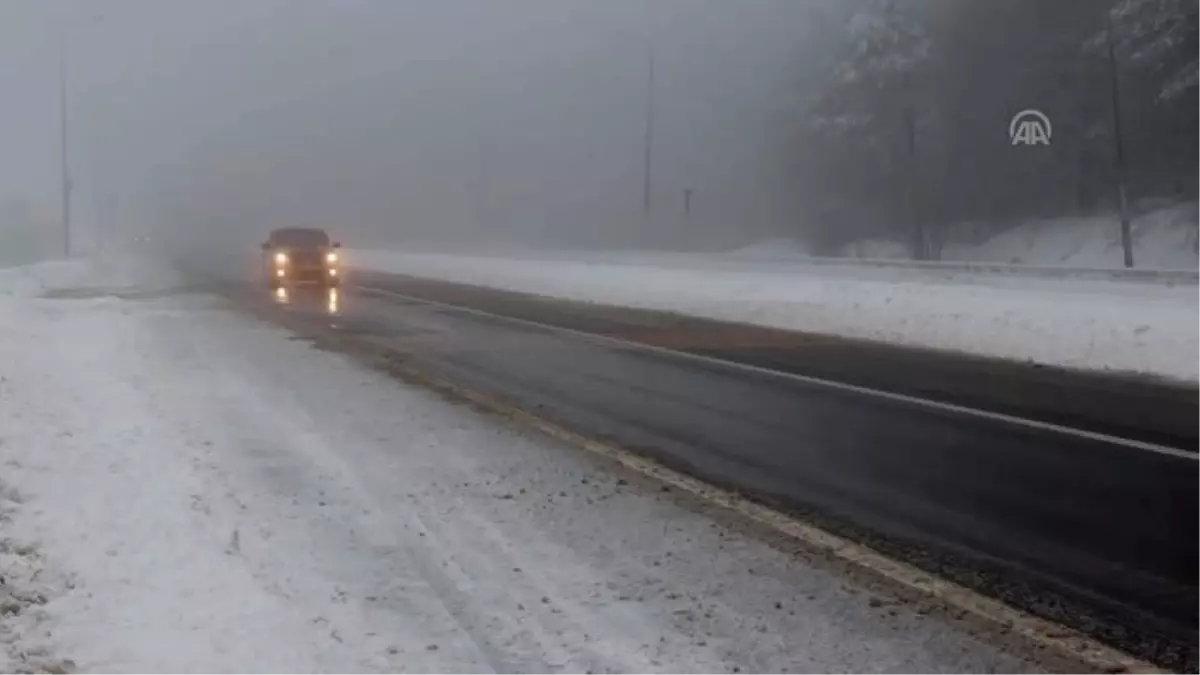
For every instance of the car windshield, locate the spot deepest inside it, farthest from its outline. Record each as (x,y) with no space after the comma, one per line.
(300,237)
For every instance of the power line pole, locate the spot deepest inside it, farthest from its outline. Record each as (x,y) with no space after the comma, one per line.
(648,142)
(1119,141)
(920,238)
(64,158)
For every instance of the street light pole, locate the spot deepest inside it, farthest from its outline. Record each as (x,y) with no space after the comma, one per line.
(648,141)
(64,158)
(1119,141)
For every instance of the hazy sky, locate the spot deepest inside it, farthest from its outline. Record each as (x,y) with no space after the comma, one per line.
(460,119)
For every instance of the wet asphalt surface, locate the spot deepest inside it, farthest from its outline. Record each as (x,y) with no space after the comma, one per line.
(1094,534)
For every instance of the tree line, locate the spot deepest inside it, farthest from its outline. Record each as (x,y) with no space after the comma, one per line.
(908,135)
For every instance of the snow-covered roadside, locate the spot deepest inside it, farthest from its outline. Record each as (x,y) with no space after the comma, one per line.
(202,494)
(27,582)
(32,279)
(1163,238)
(1093,325)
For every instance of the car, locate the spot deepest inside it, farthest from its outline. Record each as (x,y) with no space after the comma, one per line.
(301,255)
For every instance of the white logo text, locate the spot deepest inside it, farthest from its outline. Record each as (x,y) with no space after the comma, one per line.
(1030,127)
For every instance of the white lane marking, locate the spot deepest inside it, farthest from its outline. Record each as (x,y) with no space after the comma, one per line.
(816,381)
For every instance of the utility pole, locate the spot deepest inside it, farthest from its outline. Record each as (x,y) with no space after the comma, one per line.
(919,237)
(648,142)
(1119,141)
(64,158)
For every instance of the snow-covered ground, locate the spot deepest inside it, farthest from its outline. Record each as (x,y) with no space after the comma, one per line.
(1163,238)
(184,488)
(1085,324)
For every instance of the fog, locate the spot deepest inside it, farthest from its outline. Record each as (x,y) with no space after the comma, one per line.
(448,122)
(530,123)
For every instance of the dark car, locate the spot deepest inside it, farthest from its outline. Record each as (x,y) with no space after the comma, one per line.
(297,255)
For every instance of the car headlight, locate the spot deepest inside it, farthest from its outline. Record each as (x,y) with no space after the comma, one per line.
(331,257)
(281,258)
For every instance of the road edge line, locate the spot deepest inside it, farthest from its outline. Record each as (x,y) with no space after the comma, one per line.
(1063,641)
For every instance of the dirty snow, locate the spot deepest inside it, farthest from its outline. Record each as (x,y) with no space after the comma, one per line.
(186,489)
(1085,324)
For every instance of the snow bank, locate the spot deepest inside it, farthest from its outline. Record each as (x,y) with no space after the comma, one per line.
(111,273)
(1165,238)
(1095,325)
(29,582)
(37,278)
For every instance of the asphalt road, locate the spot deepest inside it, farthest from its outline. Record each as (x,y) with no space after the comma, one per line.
(1060,517)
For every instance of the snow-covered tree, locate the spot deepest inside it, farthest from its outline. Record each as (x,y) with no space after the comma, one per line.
(886,45)
(888,40)
(908,134)
(1157,37)
(866,116)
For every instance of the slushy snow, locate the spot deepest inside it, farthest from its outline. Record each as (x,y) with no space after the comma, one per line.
(186,489)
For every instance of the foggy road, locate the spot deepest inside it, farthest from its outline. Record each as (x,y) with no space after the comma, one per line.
(189,489)
(1086,516)
(672,335)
